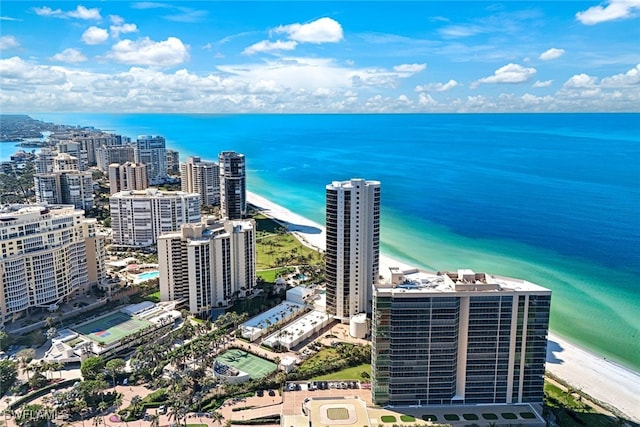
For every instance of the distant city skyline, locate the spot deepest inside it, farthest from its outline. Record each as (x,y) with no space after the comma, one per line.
(236,57)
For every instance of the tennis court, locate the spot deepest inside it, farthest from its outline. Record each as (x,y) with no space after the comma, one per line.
(112,328)
(255,366)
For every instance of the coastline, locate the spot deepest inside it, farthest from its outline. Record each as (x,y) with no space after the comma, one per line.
(603,380)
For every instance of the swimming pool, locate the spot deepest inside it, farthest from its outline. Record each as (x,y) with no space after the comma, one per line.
(148,275)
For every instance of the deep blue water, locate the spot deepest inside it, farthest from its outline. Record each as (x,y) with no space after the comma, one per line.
(551,198)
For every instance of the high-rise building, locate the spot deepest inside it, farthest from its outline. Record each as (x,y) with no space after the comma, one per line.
(208,264)
(110,154)
(458,338)
(201,177)
(173,161)
(76,150)
(233,193)
(127,176)
(139,217)
(151,150)
(352,249)
(47,252)
(44,161)
(66,184)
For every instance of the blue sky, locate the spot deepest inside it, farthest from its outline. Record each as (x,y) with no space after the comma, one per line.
(330,56)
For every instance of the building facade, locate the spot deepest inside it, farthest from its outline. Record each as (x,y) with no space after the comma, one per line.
(173,162)
(66,184)
(139,217)
(151,150)
(127,176)
(45,260)
(352,246)
(110,154)
(201,177)
(458,338)
(208,264)
(233,192)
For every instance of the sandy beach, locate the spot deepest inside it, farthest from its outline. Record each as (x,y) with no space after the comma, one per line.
(596,376)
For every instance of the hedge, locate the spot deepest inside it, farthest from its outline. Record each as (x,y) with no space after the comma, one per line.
(42,391)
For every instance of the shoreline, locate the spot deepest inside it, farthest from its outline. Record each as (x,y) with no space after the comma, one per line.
(605,381)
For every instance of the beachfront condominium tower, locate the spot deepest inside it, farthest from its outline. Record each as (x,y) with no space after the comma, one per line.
(49,255)
(202,177)
(139,217)
(127,176)
(151,150)
(233,193)
(458,338)
(352,246)
(208,264)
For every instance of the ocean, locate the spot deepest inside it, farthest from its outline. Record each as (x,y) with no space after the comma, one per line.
(550,198)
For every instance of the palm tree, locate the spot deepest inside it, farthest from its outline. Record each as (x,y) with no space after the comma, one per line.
(155,420)
(135,401)
(217,417)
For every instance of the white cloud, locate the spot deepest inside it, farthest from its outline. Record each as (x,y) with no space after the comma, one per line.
(69,55)
(552,53)
(9,18)
(545,83)
(437,87)
(95,35)
(426,99)
(282,85)
(580,81)
(615,9)
(80,12)
(323,30)
(8,42)
(510,73)
(410,68)
(267,46)
(116,30)
(116,20)
(145,51)
(631,77)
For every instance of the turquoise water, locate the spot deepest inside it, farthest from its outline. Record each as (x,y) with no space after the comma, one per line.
(148,275)
(551,198)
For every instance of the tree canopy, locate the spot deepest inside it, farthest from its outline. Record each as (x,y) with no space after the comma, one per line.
(91,367)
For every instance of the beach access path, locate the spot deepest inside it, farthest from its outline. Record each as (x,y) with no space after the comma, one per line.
(608,383)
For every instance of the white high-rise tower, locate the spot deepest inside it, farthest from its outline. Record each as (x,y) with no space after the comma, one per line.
(353,240)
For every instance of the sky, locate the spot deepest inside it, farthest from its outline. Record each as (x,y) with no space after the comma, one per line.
(319,57)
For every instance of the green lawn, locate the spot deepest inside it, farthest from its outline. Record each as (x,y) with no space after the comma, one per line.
(319,359)
(271,245)
(570,411)
(353,373)
(153,297)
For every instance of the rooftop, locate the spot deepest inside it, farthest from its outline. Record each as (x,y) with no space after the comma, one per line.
(463,280)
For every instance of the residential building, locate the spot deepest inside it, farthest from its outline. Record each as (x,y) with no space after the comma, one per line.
(110,154)
(44,161)
(208,264)
(352,248)
(201,177)
(458,338)
(233,193)
(45,257)
(66,184)
(76,150)
(173,162)
(127,176)
(138,217)
(151,150)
